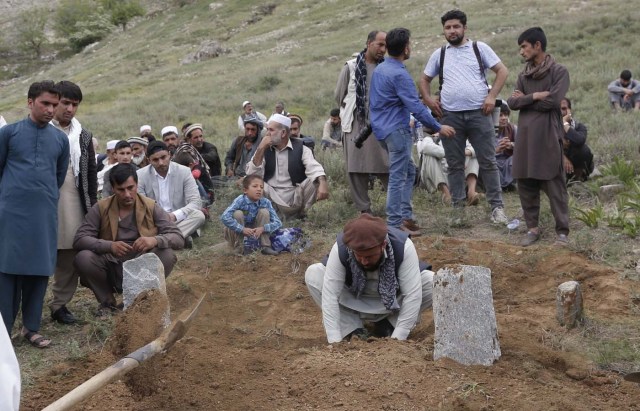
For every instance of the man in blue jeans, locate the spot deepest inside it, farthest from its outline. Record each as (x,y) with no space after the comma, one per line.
(466,103)
(393,97)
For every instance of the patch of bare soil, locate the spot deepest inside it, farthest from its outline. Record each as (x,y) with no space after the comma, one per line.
(259,343)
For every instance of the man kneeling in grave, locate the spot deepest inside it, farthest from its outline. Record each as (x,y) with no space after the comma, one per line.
(372,274)
(119,228)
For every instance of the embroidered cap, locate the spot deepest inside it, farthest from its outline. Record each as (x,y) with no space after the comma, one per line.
(364,232)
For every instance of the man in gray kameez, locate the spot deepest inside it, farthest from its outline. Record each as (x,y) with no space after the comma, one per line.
(352,95)
(372,274)
(34,157)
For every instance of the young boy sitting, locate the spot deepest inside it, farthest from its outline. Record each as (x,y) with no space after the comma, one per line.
(251,216)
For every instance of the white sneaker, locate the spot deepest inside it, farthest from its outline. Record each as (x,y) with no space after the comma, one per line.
(498,216)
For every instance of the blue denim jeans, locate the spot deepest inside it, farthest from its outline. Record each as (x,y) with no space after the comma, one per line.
(474,126)
(402,174)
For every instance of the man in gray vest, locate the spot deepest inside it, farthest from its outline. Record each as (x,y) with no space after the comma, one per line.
(352,96)
(293,178)
(372,275)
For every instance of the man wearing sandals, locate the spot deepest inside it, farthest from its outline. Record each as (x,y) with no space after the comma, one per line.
(34,157)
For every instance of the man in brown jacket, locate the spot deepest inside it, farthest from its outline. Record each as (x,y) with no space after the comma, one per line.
(120,228)
(537,156)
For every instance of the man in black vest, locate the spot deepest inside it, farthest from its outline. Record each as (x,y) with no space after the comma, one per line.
(293,178)
(372,274)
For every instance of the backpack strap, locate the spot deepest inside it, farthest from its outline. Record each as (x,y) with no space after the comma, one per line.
(443,50)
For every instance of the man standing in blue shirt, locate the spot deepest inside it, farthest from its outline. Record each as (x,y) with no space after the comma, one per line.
(393,97)
(466,102)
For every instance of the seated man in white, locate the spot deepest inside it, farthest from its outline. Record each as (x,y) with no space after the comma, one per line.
(174,189)
(293,178)
(373,275)
(433,172)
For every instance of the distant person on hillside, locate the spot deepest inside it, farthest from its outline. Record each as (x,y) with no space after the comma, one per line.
(250,215)
(124,155)
(332,131)
(78,193)
(296,132)
(297,187)
(171,138)
(465,103)
(145,132)
(352,96)
(120,228)
(34,159)
(393,98)
(372,275)
(243,148)
(173,187)
(248,112)
(279,109)
(505,141)
(138,151)
(537,155)
(624,93)
(578,159)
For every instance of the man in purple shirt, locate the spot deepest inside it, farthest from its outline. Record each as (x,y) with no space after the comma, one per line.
(393,97)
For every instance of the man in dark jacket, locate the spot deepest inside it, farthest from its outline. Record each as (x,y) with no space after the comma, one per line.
(578,159)
(77,195)
(243,147)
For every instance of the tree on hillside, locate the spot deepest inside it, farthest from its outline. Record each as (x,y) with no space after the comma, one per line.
(30,27)
(122,11)
(81,22)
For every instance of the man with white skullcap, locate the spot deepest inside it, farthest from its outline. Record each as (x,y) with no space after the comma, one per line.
(145,132)
(293,178)
(170,137)
(106,164)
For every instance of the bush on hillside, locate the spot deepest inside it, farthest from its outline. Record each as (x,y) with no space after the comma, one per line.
(31,25)
(122,11)
(95,28)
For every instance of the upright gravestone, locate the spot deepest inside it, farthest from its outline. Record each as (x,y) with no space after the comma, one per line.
(142,274)
(569,304)
(464,317)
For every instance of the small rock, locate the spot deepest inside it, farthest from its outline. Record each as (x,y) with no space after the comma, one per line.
(577,374)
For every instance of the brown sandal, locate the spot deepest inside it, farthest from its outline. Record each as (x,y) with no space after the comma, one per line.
(37,340)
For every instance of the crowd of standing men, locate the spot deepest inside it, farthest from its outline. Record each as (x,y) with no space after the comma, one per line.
(158,204)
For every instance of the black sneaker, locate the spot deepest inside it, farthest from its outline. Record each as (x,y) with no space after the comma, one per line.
(63,316)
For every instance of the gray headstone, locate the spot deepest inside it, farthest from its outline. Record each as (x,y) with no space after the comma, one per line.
(464,317)
(569,304)
(142,274)
(608,192)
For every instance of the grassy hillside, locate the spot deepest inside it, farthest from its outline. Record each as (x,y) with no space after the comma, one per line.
(295,53)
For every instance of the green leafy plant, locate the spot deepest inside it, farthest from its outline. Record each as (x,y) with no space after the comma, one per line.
(624,170)
(590,216)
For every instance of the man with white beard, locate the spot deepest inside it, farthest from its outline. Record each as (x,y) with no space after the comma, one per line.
(138,149)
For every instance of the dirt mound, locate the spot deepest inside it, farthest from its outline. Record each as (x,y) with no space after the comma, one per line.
(259,343)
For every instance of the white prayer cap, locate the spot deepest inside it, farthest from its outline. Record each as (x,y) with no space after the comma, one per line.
(245,103)
(169,129)
(146,127)
(111,144)
(279,118)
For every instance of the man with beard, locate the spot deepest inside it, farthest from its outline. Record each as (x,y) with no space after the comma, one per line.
(372,274)
(207,151)
(171,138)
(296,132)
(34,159)
(138,149)
(200,163)
(243,148)
(293,178)
(466,103)
(352,95)
(537,155)
(249,112)
(78,193)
